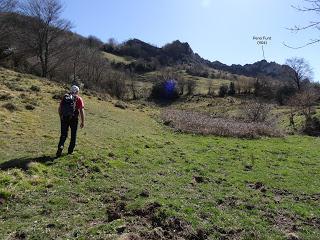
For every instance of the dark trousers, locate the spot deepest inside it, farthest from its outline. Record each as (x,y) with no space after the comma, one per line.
(65,124)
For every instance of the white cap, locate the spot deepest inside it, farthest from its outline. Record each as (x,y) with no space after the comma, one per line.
(74,89)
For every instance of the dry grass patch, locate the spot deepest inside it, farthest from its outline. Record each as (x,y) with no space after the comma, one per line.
(200,123)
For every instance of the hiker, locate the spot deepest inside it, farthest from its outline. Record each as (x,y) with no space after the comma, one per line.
(69,109)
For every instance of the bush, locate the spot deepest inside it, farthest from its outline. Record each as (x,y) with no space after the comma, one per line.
(35,88)
(284,93)
(256,112)
(312,127)
(199,123)
(232,89)
(30,107)
(191,86)
(10,106)
(181,85)
(117,87)
(223,90)
(165,90)
(210,88)
(263,89)
(142,66)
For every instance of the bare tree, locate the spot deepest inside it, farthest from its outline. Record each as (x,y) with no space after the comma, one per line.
(43,35)
(75,61)
(93,66)
(312,6)
(301,73)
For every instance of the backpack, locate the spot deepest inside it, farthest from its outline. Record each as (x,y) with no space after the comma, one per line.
(68,106)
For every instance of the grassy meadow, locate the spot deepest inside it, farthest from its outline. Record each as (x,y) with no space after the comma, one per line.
(131,177)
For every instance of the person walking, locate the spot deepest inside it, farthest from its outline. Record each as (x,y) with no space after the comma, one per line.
(71,106)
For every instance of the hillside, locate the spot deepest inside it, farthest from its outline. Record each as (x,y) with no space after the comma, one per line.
(178,53)
(95,64)
(131,177)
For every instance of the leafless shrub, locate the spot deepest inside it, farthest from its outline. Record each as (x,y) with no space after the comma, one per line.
(133,85)
(223,90)
(199,123)
(244,85)
(116,85)
(210,87)
(304,103)
(181,85)
(256,111)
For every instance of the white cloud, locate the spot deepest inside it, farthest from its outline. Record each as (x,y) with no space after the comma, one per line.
(206,3)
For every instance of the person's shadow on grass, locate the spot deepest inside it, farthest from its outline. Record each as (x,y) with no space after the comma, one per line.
(23,163)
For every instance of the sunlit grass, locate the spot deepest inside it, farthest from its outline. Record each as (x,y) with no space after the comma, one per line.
(226,187)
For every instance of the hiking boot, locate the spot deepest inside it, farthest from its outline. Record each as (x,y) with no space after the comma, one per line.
(59,152)
(70,152)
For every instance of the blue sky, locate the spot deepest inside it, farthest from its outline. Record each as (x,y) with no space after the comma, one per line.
(216,29)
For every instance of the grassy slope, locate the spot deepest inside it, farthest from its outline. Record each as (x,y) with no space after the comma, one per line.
(145,83)
(262,189)
(202,84)
(115,58)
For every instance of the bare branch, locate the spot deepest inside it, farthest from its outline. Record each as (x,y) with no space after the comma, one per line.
(301,72)
(303,46)
(312,6)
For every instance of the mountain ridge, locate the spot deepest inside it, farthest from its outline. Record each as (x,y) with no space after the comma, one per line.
(178,53)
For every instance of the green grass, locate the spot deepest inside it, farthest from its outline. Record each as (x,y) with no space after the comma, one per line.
(233,188)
